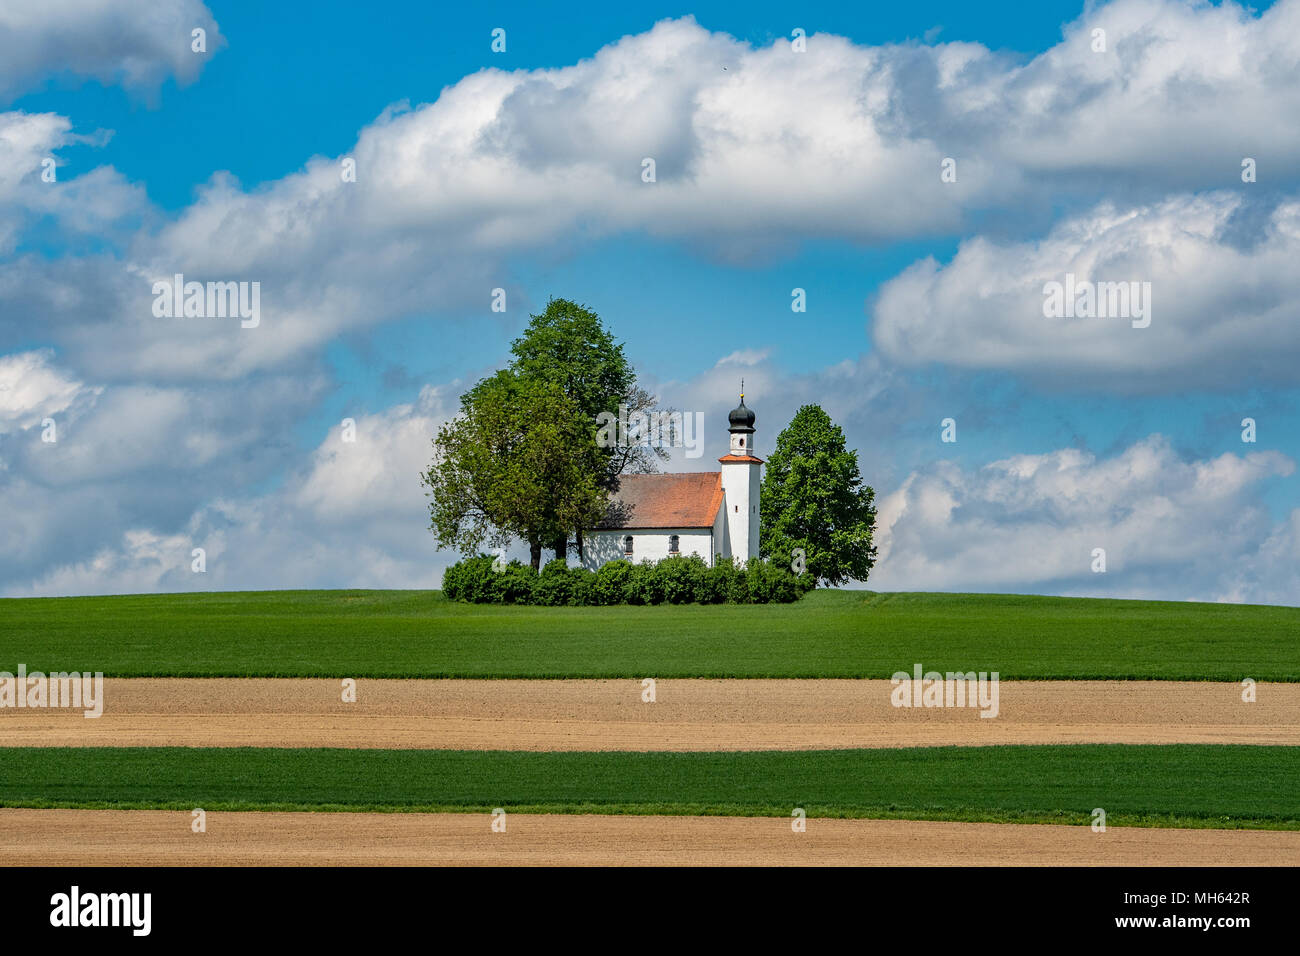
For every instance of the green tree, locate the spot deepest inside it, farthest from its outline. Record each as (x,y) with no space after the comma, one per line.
(813,498)
(522,459)
(568,346)
(518,462)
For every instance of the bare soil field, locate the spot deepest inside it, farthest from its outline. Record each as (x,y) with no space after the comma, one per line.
(161,838)
(698,715)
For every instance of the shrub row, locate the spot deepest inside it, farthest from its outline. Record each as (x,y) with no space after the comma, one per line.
(676,580)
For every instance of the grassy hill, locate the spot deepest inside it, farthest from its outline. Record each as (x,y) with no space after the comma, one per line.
(828,634)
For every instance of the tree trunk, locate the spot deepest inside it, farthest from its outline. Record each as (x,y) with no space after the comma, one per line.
(561,546)
(535,554)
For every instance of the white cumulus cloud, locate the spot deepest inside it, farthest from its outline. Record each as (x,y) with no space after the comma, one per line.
(1223,306)
(137,44)
(1170,528)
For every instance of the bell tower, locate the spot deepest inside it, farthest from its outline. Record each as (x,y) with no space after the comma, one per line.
(740,483)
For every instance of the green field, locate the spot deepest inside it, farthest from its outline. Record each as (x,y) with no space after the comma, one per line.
(1191,785)
(828,634)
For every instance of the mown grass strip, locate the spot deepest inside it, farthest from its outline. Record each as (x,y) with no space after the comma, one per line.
(1183,785)
(828,634)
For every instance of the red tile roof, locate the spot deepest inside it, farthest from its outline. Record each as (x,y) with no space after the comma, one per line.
(683,500)
(748,459)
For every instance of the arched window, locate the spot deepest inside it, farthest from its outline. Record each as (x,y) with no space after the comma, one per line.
(627,546)
(674,544)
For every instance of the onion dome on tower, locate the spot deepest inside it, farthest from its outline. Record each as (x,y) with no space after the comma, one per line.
(741,418)
(741,425)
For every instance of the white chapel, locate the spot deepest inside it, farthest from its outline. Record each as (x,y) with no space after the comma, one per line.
(707,513)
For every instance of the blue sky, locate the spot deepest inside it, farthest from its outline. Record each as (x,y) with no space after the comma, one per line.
(816,169)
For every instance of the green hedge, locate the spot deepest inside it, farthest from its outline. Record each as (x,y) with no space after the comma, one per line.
(676,580)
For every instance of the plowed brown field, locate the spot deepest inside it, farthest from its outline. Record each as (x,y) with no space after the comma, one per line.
(687,715)
(160,838)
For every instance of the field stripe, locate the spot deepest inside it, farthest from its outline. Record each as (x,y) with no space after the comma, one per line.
(827,634)
(687,715)
(1183,785)
(159,838)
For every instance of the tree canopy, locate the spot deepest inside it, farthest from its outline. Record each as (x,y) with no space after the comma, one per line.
(521,459)
(568,345)
(813,498)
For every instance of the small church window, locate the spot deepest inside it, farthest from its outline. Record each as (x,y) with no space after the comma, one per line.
(674,544)
(627,545)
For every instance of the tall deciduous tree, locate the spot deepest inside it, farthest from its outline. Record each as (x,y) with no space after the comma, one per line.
(567,344)
(813,498)
(522,459)
(518,462)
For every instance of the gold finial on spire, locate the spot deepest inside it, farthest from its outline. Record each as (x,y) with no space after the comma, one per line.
(742,391)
